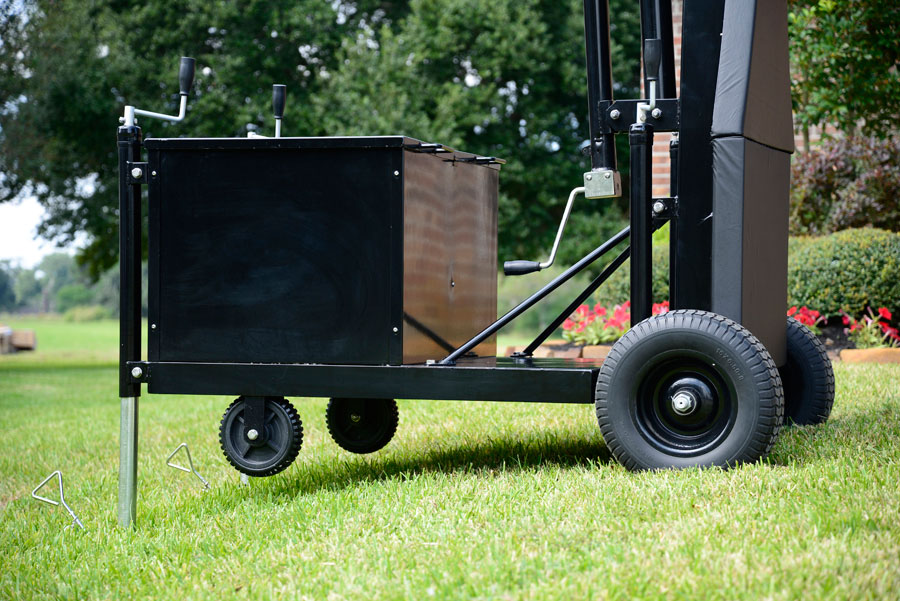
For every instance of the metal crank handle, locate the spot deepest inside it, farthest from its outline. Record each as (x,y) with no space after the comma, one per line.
(523,267)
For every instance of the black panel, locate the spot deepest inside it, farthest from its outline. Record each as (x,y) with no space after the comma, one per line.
(753,89)
(490,379)
(750,232)
(274,255)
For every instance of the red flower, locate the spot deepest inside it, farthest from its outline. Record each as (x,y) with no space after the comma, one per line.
(885,313)
(583,310)
(791,311)
(846,320)
(599,309)
(568,324)
(580,328)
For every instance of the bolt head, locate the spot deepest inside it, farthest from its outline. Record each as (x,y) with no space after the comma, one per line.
(684,403)
(396,173)
(607,175)
(152,326)
(136,373)
(656,113)
(588,177)
(136,173)
(252,434)
(396,329)
(615,114)
(659,207)
(153,173)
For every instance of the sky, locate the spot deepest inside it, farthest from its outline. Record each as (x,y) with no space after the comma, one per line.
(18,232)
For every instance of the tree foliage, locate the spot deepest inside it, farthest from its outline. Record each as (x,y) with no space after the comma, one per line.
(844,59)
(504,78)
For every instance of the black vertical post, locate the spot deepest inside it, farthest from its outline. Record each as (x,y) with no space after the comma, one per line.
(129,261)
(674,153)
(691,234)
(656,23)
(599,79)
(640,138)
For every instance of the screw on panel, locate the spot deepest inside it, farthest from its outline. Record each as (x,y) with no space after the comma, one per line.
(396,173)
(152,326)
(136,373)
(615,114)
(396,329)
(656,113)
(658,207)
(136,173)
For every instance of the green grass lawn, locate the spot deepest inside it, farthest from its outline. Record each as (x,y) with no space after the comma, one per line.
(469,501)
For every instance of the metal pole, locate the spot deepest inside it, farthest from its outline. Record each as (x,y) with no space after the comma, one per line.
(641,140)
(534,298)
(128,446)
(592,287)
(599,79)
(129,147)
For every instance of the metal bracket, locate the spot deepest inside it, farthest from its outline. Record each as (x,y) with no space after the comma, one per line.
(137,172)
(62,499)
(190,463)
(602,183)
(139,370)
(664,208)
(618,115)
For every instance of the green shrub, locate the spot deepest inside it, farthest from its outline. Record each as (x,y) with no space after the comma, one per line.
(846,183)
(87,313)
(616,290)
(847,271)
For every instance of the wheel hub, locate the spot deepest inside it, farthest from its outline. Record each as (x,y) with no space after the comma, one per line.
(684,402)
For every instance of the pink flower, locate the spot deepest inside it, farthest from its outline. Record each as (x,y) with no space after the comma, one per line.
(583,310)
(883,311)
(846,320)
(599,309)
(580,328)
(568,324)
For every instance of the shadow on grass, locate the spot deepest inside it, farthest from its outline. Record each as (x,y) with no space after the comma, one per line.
(501,455)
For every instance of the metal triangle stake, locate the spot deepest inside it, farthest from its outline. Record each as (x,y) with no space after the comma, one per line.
(62,498)
(190,463)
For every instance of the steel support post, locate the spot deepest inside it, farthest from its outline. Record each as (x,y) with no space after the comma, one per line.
(129,147)
(640,138)
(128,445)
(599,80)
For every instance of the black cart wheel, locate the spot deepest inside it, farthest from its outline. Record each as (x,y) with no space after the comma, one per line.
(807,377)
(362,425)
(261,453)
(688,389)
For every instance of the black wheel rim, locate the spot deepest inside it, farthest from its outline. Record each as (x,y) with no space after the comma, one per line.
(361,423)
(269,449)
(683,405)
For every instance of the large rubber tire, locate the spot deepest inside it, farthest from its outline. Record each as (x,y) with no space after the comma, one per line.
(807,377)
(362,425)
(272,452)
(737,402)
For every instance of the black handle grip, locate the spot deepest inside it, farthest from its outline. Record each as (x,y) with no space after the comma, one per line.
(520,267)
(186,74)
(652,57)
(278,97)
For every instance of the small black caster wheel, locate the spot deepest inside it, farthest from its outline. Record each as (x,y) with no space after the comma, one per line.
(807,377)
(362,425)
(266,452)
(688,389)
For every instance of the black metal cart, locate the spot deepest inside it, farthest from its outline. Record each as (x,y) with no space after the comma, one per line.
(364,269)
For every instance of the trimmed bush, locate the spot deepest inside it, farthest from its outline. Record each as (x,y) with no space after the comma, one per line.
(846,183)
(617,289)
(847,271)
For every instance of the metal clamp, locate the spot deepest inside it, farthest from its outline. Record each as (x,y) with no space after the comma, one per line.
(190,463)
(62,499)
